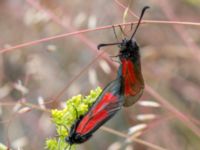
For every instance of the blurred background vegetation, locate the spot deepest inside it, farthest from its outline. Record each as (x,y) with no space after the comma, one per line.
(42,74)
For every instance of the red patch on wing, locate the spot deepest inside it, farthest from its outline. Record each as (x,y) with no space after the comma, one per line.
(98,114)
(130,80)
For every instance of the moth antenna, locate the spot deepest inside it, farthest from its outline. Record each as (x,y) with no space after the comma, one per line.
(140,19)
(109,44)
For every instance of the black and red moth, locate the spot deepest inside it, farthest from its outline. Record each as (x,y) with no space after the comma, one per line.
(130,67)
(106,105)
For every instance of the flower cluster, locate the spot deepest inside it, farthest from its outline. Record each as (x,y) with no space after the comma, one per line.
(64,119)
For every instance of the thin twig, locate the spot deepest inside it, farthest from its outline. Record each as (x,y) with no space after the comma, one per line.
(32,106)
(134,139)
(34,42)
(57,97)
(188,122)
(181,31)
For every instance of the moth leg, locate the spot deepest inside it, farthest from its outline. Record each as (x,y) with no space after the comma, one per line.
(123,33)
(115,33)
